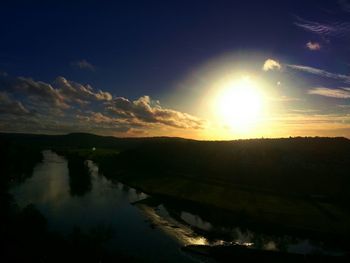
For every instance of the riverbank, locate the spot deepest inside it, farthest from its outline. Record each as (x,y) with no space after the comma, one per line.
(261,211)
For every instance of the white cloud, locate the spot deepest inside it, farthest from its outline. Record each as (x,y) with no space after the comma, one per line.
(271,64)
(314,46)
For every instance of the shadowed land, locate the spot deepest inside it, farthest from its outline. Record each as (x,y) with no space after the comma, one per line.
(295,185)
(241,253)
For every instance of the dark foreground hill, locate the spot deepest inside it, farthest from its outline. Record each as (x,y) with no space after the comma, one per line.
(296,183)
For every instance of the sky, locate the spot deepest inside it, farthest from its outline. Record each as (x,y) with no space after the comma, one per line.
(195,69)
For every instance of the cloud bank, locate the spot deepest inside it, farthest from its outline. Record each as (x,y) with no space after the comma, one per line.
(65,106)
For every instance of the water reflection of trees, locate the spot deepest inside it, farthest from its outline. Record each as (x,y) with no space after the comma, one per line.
(17,162)
(79,176)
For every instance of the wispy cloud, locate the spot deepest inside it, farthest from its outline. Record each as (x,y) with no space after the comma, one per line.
(321,72)
(345,106)
(314,46)
(271,64)
(83,64)
(283,99)
(340,93)
(335,29)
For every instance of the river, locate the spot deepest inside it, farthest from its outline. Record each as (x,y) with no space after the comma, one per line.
(147,233)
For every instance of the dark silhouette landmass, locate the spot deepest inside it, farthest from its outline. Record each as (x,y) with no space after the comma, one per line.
(241,253)
(297,185)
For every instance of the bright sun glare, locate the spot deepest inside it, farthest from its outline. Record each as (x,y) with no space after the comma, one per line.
(239,104)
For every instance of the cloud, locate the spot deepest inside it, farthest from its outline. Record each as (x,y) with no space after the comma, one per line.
(271,64)
(77,92)
(340,93)
(321,72)
(65,106)
(314,46)
(334,29)
(9,106)
(40,93)
(62,94)
(149,111)
(83,64)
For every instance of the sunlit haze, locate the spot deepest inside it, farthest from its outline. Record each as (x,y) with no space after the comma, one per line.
(239,104)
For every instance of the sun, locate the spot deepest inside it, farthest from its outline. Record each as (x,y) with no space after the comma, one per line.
(239,104)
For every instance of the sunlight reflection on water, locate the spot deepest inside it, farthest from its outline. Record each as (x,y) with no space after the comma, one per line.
(106,205)
(184,229)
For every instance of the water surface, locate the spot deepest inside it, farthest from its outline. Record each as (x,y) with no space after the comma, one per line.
(107,206)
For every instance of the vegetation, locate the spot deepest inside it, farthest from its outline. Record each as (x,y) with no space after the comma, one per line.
(79,175)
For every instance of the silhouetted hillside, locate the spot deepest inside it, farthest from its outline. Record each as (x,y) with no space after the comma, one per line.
(79,140)
(308,166)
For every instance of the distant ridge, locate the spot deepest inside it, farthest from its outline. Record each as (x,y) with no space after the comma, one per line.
(155,138)
(82,140)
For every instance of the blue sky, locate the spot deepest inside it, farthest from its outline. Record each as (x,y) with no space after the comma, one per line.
(151,49)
